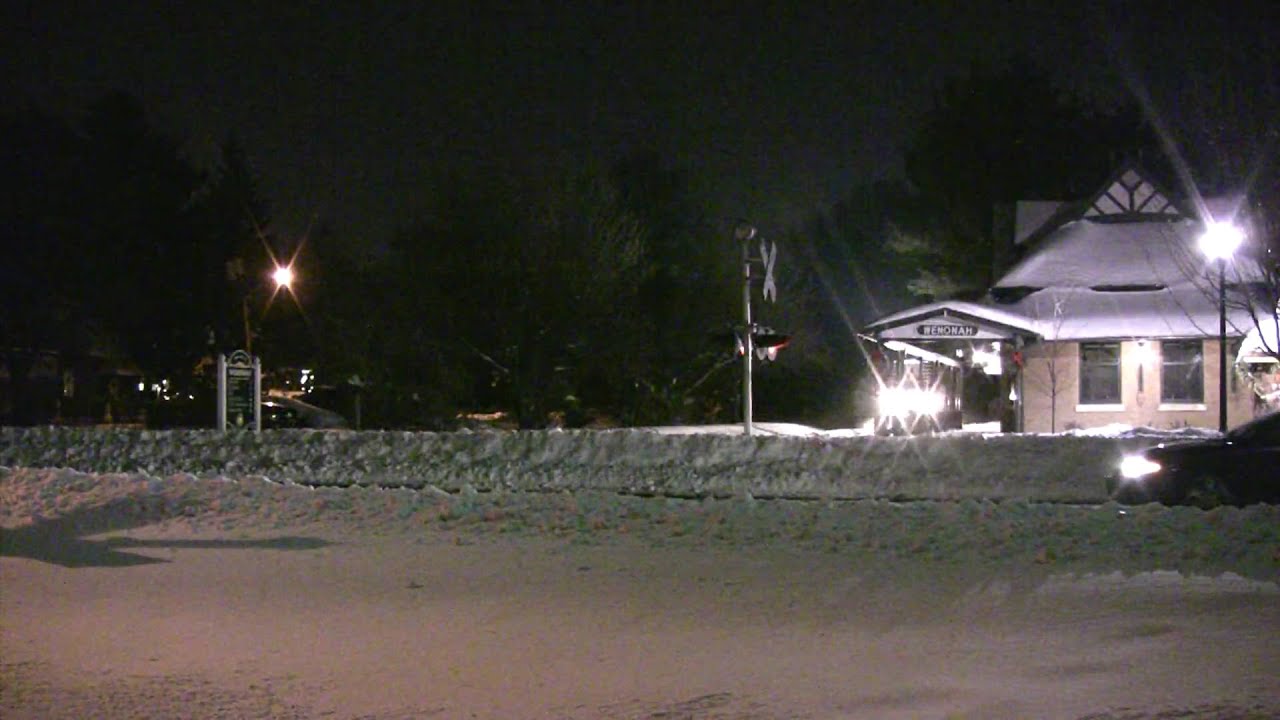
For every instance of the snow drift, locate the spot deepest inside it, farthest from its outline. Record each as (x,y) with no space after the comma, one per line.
(1069,468)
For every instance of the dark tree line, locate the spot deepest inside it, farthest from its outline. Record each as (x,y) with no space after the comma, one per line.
(87,204)
(600,294)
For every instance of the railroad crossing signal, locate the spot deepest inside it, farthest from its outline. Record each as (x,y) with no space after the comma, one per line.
(768,256)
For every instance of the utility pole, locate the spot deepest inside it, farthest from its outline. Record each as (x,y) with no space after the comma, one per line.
(746,233)
(248,333)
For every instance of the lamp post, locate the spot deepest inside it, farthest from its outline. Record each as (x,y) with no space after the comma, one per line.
(1219,243)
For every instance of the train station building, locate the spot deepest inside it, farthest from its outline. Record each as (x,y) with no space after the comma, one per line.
(1109,314)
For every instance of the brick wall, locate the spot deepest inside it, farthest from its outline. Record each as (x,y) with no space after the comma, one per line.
(1052,371)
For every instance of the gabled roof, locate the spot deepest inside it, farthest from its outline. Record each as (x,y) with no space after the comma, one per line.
(1130,195)
(1129,234)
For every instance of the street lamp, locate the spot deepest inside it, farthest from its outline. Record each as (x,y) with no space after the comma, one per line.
(283,278)
(1219,243)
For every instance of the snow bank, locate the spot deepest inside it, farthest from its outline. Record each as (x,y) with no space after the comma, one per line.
(1092,549)
(950,466)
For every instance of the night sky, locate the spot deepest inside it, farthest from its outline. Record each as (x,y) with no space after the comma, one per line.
(350,111)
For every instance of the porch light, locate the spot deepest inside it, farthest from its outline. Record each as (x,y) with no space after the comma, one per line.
(989,361)
(1145,353)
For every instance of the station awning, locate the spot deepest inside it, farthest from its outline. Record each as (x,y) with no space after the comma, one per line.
(953,320)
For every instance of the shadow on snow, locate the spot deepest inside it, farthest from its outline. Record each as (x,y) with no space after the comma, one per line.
(61,540)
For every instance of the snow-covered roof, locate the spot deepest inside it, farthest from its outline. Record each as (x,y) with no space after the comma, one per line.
(1084,314)
(1003,320)
(1073,314)
(1089,253)
(1126,275)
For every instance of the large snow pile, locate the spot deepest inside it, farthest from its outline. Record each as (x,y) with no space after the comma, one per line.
(45,511)
(950,466)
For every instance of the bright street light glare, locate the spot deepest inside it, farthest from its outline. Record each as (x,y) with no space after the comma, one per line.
(1220,240)
(283,276)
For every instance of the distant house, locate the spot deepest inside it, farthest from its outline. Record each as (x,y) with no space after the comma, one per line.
(1109,314)
(49,387)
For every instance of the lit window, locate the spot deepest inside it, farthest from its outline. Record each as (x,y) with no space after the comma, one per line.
(1099,373)
(1181,371)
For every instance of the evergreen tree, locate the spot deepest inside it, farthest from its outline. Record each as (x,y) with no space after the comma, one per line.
(236,220)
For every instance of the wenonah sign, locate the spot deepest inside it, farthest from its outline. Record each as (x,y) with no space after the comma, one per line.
(239,391)
(940,330)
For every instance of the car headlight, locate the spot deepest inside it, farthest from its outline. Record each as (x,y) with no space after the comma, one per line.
(1135,467)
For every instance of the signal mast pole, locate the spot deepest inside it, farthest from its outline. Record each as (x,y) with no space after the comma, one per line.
(746,233)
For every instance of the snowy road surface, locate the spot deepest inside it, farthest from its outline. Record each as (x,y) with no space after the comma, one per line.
(126,596)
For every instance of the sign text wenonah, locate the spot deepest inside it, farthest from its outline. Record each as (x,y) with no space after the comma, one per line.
(936,330)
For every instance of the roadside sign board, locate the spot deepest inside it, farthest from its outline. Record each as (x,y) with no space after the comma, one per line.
(239,391)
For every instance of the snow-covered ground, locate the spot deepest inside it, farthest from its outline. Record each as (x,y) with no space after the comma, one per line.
(221,594)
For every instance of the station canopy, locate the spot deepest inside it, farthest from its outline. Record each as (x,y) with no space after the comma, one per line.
(953,320)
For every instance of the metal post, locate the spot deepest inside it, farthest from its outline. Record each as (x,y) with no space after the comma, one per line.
(248,334)
(257,395)
(745,233)
(1222,345)
(746,337)
(222,392)
(1021,406)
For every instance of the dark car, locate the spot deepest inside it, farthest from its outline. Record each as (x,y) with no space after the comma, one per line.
(1239,468)
(284,413)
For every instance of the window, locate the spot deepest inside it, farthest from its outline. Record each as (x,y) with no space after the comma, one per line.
(1099,373)
(1182,371)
